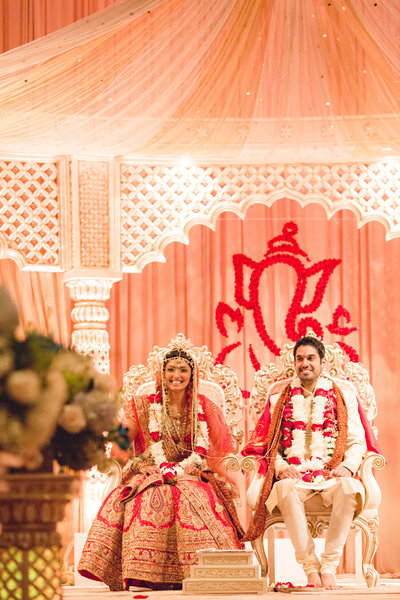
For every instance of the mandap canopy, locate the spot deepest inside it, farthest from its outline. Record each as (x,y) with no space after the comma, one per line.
(262,119)
(249,81)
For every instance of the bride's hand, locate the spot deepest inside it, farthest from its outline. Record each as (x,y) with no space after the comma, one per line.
(146,469)
(192,470)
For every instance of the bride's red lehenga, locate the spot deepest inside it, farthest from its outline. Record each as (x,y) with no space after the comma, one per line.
(147,532)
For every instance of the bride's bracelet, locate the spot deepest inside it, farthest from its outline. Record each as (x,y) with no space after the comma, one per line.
(133,465)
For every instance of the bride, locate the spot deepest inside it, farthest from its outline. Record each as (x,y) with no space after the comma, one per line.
(172,501)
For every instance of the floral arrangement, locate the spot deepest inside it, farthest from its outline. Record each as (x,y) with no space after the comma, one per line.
(323,430)
(171,471)
(53,403)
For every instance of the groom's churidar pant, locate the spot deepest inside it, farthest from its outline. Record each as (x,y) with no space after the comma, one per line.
(343,505)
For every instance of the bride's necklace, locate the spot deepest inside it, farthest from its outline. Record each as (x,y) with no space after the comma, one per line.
(178,421)
(171,471)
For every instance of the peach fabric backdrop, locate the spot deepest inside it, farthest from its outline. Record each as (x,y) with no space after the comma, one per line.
(182,295)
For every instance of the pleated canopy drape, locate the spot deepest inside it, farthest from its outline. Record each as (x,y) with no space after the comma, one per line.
(234,80)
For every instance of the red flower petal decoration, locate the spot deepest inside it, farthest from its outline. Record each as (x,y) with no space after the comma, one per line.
(200,450)
(307,477)
(334,327)
(234,315)
(155,435)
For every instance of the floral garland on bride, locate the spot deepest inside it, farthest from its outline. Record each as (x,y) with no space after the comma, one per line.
(324,429)
(171,471)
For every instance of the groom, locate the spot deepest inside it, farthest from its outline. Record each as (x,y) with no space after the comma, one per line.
(313,444)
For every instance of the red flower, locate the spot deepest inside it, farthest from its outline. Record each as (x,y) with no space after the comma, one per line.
(286,443)
(296,391)
(307,477)
(294,460)
(328,414)
(169,477)
(158,398)
(287,424)
(299,425)
(328,423)
(152,398)
(321,392)
(165,464)
(316,427)
(202,416)
(200,450)
(318,473)
(155,435)
(288,584)
(327,433)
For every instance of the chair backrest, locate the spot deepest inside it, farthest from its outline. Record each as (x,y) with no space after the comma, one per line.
(335,364)
(217,382)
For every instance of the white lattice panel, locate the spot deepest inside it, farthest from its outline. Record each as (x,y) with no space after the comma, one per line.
(30,213)
(159,204)
(94,217)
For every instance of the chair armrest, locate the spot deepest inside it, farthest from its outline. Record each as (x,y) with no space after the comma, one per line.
(254,490)
(372,490)
(248,464)
(112,469)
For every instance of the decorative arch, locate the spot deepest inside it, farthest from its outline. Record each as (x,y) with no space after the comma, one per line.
(7,252)
(160,204)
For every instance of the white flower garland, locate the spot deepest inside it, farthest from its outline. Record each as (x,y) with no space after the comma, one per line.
(171,471)
(323,429)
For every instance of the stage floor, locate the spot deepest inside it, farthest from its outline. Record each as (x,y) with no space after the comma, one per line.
(389,588)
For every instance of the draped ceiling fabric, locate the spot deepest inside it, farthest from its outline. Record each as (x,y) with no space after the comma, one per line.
(244,81)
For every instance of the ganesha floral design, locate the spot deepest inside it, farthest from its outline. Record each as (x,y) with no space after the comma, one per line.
(284,250)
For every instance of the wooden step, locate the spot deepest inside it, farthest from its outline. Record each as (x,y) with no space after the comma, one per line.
(225,572)
(224,586)
(226,557)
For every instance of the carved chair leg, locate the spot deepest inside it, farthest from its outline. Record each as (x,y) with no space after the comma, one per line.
(258,547)
(370,529)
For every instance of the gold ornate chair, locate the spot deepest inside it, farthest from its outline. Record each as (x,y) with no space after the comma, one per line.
(350,373)
(217,382)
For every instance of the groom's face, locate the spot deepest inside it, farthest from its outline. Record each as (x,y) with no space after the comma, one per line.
(308,365)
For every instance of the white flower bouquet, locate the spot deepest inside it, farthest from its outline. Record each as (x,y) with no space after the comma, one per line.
(52,400)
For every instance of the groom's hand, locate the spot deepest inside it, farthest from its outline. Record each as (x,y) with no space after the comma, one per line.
(290,473)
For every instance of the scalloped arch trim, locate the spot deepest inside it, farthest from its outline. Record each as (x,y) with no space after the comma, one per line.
(161,204)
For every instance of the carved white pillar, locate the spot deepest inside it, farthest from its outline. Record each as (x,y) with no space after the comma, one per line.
(90,317)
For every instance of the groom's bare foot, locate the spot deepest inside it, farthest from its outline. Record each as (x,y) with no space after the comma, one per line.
(328,581)
(314,579)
